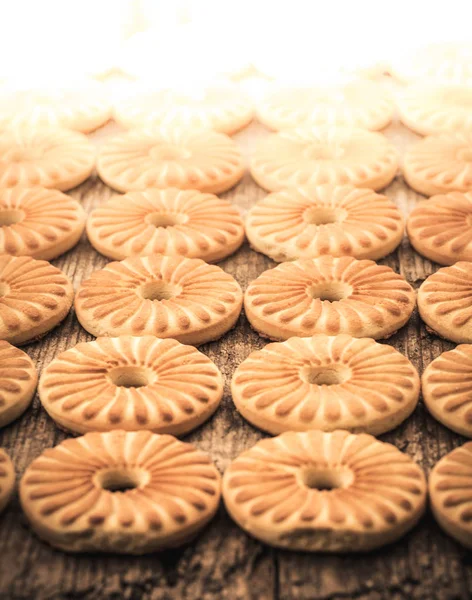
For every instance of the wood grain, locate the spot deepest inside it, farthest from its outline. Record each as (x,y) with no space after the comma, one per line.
(224,563)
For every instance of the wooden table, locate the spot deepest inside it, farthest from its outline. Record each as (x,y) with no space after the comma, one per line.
(223,562)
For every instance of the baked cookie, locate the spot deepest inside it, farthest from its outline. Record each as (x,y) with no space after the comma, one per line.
(329,295)
(445,302)
(434,109)
(362,104)
(187,159)
(131,383)
(326,382)
(166,296)
(450,490)
(34,298)
(18,380)
(440,228)
(446,385)
(39,222)
(171,221)
(7,479)
(325,492)
(320,155)
(439,164)
(120,491)
(310,221)
(51,158)
(82,109)
(222,109)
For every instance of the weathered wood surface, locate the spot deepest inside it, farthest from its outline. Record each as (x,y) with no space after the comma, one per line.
(224,563)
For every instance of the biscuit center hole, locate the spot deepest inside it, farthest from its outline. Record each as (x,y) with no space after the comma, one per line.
(169,152)
(324,478)
(121,480)
(465,155)
(320,216)
(165,219)
(129,377)
(318,152)
(159,290)
(10,217)
(332,292)
(324,375)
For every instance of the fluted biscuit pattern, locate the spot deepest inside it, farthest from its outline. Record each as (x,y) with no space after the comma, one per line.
(7,479)
(18,380)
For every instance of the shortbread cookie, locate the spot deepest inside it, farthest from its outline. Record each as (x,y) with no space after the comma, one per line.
(362,104)
(446,385)
(439,164)
(309,221)
(131,383)
(445,302)
(440,228)
(34,298)
(81,109)
(181,298)
(434,109)
(7,479)
(325,492)
(171,221)
(18,380)
(51,158)
(187,159)
(329,295)
(326,382)
(450,490)
(221,109)
(324,155)
(38,222)
(120,491)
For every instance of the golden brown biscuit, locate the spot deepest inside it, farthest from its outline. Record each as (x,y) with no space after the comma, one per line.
(187,159)
(34,298)
(182,298)
(326,382)
(450,490)
(440,228)
(120,491)
(329,295)
(310,221)
(222,109)
(445,302)
(439,164)
(18,379)
(325,492)
(313,156)
(131,383)
(446,384)
(363,104)
(171,221)
(39,222)
(50,158)
(7,479)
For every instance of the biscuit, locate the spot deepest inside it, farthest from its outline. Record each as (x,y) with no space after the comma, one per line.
(320,155)
(326,382)
(439,164)
(310,221)
(18,380)
(450,490)
(34,298)
(120,491)
(50,158)
(440,228)
(363,104)
(445,302)
(39,222)
(222,109)
(187,159)
(446,384)
(329,295)
(7,479)
(131,383)
(166,296)
(171,221)
(325,492)
(435,109)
